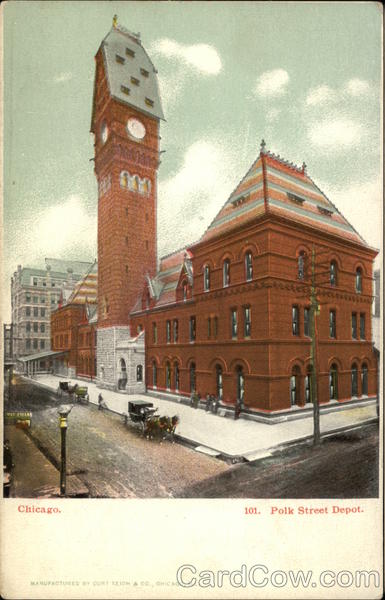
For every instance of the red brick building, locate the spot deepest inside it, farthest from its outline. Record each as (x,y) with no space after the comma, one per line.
(231,316)
(73,330)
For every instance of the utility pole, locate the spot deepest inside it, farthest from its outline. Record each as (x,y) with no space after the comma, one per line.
(314,311)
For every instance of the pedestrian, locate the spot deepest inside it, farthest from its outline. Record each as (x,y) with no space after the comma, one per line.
(100,401)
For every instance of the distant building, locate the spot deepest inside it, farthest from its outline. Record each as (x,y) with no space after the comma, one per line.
(34,294)
(8,343)
(73,329)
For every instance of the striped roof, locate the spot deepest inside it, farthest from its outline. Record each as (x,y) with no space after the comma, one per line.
(85,291)
(276,186)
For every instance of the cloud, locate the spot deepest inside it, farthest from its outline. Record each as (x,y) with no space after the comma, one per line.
(335,132)
(319,95)
(357,87)
(202,58)
(272,114)
(272,83)
(63,77)
(191,197)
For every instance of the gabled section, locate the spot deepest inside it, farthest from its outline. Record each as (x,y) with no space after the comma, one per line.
(274,186)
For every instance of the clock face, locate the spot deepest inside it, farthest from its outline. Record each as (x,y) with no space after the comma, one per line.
(136,128)
(104,132)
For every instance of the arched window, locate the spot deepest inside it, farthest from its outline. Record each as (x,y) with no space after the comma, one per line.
(168,375)
(354,375)
(145,186)
(219,381)
(294,386)
(308,383)
(249,266)
(139,373)
(124,179)
(333,273)
(333,382)
(359,280)
(135,183)
(192,377)
(301,265)
(226,272)
(122,381)
(364,379)
(206,278)
(240,386)
(176,376)
(154,374)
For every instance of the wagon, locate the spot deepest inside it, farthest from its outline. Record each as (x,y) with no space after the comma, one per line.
(81,395)
(139,411)
(64,387)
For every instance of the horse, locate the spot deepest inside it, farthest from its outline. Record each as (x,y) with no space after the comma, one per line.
(160,427)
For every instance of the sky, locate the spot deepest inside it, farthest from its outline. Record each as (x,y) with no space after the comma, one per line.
(305,76)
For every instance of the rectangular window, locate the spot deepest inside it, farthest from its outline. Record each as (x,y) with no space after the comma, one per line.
(28,326)
(35,311)
(149,102)
(306,322)
(42,299)
(42,344)
(234,323)
(144,72)
(28,297)
(35,299)
(332,324)
(125,90)
(192,329)
(215,327)
(209,327)
(28,311)
(42,327)
(247,321)
(354,326)
(154,333)
(206,278)
(42,312)
(295,320)
(362,326)
(35,281)
(28,345)
(168,331)
(175,330)
(119,59)
(35,342)
(36,327)
(135,81)
(130,52)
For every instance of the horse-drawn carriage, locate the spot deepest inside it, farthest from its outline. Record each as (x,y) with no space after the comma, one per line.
(75,392)
(152,424)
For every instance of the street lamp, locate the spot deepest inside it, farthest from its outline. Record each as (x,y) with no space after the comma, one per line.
(63,411)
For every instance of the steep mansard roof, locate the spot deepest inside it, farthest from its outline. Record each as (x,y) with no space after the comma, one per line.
(127,64)
(273,185)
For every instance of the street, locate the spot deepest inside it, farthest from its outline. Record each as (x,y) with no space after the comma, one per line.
(109,459)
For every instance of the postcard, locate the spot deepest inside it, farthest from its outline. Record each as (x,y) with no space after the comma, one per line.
(192,311)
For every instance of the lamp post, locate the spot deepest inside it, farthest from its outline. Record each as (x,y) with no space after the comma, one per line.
(64,411)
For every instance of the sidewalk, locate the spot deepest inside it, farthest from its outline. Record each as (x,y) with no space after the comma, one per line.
(217,435)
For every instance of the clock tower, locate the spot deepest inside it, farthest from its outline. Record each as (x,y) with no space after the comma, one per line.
(125,122)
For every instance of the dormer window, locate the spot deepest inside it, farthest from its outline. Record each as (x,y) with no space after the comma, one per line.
(130,52)
(325,211)
(295,198)
(144,72)
(149,102)
(119,59)
(135,81)
(125,89)
(239,201)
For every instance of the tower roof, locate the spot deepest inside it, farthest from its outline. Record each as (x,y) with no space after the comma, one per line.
(131,76)
(273,185)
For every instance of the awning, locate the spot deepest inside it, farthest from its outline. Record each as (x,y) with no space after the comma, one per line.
(48,354)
